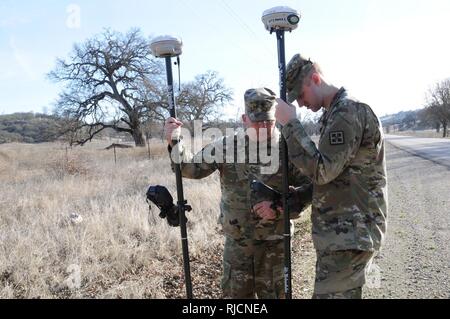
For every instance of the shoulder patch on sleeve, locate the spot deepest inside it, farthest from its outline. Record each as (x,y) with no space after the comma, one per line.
(337,138)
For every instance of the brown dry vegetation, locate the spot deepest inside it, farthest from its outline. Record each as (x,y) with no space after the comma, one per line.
(122,249)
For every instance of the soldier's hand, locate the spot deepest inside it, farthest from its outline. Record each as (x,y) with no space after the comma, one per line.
(284,112)
(171,129)
(264,210)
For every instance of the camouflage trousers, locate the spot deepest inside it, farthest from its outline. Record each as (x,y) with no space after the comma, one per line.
(253,269)
(341,274)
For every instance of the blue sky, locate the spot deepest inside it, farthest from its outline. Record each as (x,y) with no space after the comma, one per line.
(387,53)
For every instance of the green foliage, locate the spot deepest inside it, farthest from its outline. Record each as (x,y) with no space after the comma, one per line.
(29,128)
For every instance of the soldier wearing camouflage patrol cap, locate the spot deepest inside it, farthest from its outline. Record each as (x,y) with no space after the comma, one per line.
(259,104)
(253,251)
(348,170)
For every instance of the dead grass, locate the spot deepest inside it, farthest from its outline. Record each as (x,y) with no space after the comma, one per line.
(121,249)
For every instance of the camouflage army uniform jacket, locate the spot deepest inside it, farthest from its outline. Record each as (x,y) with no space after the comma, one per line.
(348,170)
(236,216)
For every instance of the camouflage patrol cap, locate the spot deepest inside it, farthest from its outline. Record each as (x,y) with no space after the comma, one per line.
(259,104)
(296,71)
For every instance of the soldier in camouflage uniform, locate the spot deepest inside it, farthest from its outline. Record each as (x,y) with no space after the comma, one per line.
(348,170)
(254,251)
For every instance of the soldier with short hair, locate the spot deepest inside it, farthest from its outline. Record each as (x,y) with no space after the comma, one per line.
(348,170)
(253,258)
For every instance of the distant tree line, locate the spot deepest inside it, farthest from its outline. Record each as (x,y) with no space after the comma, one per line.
(435,114)
(437,111)
(29,128)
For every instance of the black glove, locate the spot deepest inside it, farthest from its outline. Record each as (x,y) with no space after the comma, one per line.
(299,198)
(172,215)
(160,196)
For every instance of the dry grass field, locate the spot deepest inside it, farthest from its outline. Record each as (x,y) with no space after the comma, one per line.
(120,249)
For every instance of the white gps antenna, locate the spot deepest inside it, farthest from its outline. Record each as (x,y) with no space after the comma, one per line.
(280,19)
(166,46)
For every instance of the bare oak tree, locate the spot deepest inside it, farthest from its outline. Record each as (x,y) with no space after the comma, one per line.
(202,98)
(439,104)
(111,81)
(429,119)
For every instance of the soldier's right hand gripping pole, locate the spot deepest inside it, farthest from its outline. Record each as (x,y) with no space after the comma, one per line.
(279,20)
(168,47)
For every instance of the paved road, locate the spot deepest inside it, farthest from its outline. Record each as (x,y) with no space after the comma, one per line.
(433,149)
(415,260)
